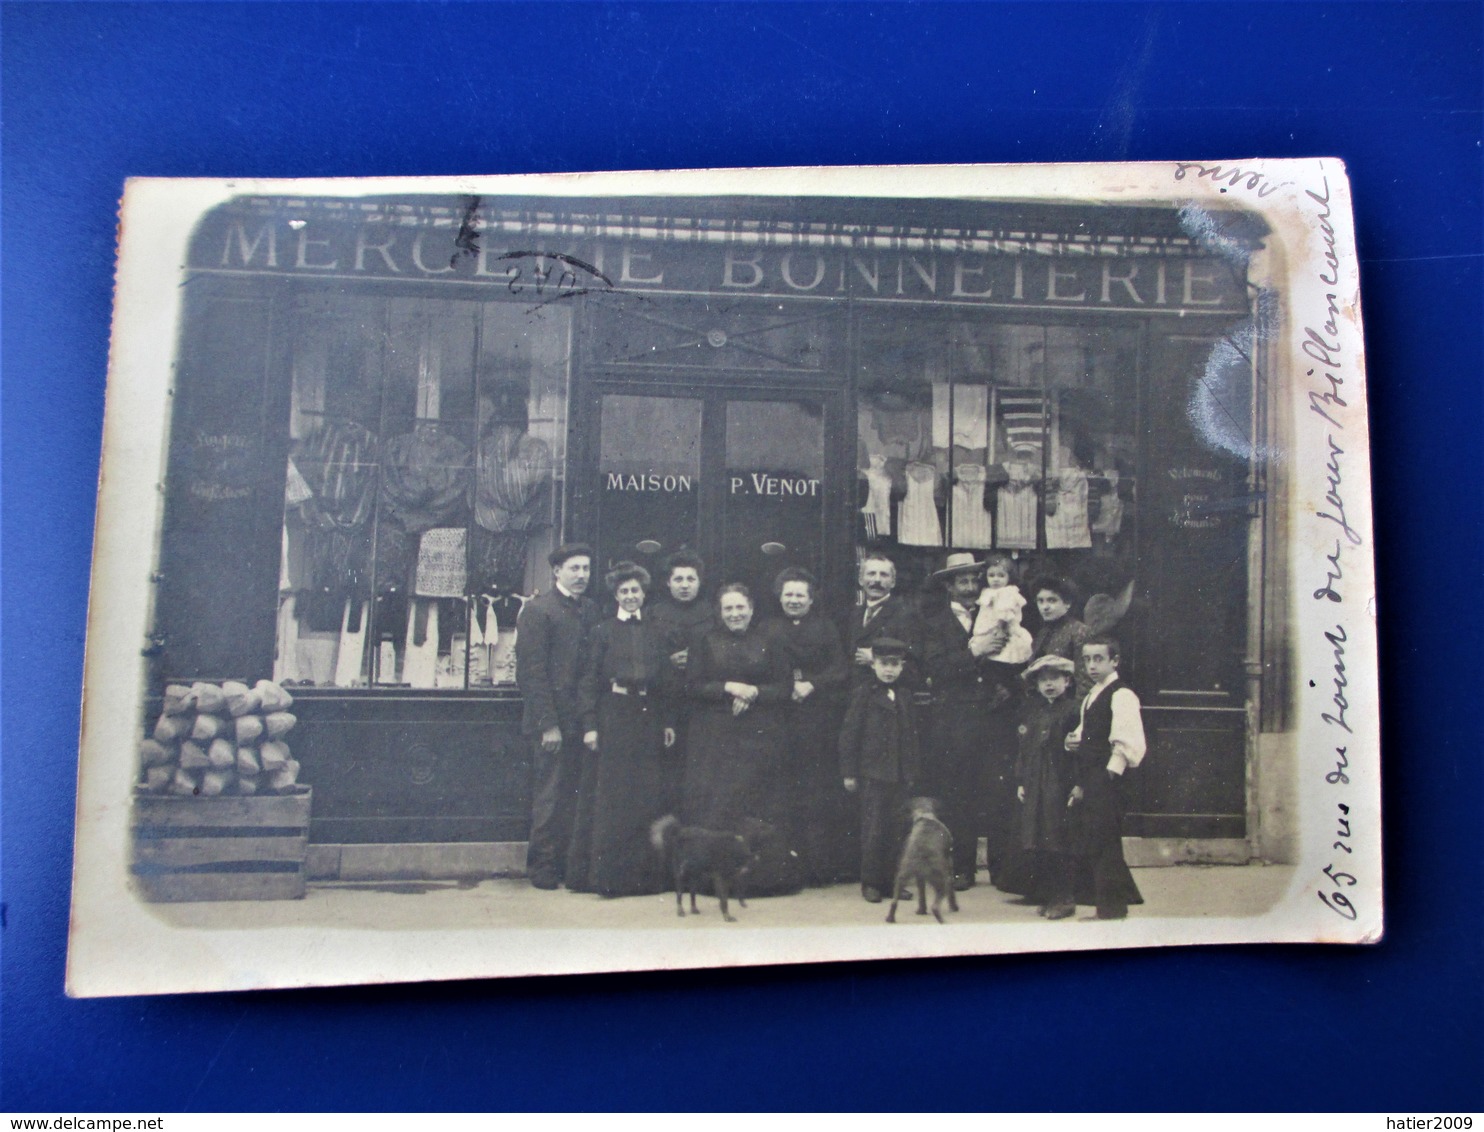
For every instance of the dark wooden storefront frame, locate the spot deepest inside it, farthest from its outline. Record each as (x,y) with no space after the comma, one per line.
(482,745)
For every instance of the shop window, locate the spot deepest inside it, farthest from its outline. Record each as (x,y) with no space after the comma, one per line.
(981,435)
(649,475)
(424,487)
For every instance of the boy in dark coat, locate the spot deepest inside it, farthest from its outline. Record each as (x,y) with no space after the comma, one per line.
(1044,772)
(879,760)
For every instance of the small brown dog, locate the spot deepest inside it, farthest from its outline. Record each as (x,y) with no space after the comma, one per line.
(927,859)
(694,855)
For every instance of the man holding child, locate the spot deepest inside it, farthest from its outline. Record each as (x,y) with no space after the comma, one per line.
(970,753)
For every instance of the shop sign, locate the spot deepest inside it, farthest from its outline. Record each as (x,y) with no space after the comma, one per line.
(778,485)
(1038,276)
(647,482)
(221,467)
(1195,492)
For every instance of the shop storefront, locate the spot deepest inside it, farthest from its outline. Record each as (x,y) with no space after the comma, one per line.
(388,411)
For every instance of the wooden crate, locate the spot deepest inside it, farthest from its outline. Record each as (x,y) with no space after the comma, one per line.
(222,848)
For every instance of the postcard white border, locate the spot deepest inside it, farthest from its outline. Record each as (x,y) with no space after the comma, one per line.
(118,945)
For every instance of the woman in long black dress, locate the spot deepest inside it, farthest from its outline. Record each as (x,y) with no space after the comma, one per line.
(626,735)
(822,815)
(680,614)
(740,681)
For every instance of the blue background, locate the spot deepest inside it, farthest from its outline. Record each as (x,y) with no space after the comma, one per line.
(94,93)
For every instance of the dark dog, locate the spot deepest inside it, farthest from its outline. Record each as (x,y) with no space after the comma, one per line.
(695,855)
(927,859)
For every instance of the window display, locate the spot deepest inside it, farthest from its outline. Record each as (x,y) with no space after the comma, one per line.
(976,434)
(423,488)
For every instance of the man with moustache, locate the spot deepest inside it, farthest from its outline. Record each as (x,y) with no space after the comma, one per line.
(550,644)
(967,693)
(884,614)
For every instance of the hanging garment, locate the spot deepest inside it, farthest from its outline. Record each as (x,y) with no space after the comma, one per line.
(878,499)
(440,563)
(1110,509)
(352,645)
(296,489)
(970,520)
(294,567)
(942,414)
(969,410)
(920,524)
(497,559)
(479,654)
(868,441)
(512,497)
(502,658)
(452,666)
(286,635)
(1022,416)
(286,658)
(337,465)
(395,560)
(420,656)
(1015,506)
(1066,519)
(424,477)
(317,657)
(512,474)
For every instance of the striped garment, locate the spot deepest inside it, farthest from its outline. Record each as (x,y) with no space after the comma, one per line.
(511,468)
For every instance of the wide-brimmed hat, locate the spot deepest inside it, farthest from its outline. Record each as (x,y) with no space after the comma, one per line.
(1058,664)
(960,562)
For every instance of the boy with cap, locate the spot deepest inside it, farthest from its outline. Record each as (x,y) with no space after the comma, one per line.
(879,760)
(1044,770)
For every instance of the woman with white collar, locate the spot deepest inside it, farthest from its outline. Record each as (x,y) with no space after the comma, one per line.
(627,738)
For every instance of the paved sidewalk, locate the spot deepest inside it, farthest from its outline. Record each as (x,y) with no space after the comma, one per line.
(1179,891)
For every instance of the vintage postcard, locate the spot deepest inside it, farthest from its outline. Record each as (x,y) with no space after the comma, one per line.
(528,575)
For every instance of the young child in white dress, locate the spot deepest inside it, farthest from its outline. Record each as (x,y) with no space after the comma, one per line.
(1000,603)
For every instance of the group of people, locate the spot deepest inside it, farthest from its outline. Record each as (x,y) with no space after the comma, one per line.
(725,717)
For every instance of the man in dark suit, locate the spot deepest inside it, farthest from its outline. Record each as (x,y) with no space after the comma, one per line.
(884,614)
(550,643)
(968,701)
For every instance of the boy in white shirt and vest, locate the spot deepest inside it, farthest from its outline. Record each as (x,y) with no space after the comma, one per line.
(1108,739)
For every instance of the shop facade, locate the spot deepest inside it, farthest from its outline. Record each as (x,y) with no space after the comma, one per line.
(387,411)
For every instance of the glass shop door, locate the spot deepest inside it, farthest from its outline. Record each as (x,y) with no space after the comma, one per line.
(741,476)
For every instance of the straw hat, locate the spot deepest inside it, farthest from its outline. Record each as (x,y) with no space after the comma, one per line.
(959,562)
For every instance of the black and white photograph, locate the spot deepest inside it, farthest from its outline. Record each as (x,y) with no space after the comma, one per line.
(532,575)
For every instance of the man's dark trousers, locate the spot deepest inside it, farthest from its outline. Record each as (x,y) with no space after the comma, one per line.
(549,651)
(958,772)
(554,780)
(883,830)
